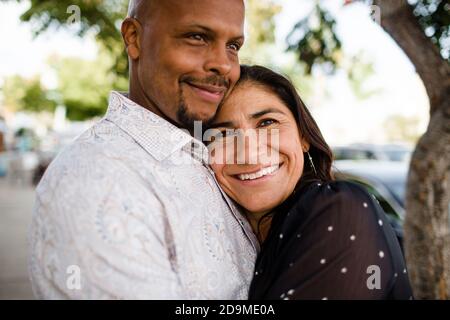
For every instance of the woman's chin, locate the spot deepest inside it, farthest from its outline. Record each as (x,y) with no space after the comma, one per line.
(263,202)
(261,209)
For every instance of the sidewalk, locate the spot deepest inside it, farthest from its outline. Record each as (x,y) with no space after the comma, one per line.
(16,203)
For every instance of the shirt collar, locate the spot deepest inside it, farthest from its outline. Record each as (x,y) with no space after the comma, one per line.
(156,135)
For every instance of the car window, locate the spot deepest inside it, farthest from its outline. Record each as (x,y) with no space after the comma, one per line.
(387,208)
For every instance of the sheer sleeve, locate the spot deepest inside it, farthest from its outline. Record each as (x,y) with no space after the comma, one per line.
(335,243)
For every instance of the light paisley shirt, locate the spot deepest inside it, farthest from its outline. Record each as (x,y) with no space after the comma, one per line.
(131,210)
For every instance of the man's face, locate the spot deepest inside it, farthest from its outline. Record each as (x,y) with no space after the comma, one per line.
(188,60)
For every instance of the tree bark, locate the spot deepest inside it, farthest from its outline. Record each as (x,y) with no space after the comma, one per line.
(427,222)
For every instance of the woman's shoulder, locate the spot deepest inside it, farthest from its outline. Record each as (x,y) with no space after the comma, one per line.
(341,201)
(337,192)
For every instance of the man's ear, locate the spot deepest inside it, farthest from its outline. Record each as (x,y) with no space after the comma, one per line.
(131,31)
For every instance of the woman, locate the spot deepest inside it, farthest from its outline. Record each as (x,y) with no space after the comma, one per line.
(321,239)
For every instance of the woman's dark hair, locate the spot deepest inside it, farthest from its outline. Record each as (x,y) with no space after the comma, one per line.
(319,150)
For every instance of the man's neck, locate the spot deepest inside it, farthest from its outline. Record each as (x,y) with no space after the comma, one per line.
(139,97)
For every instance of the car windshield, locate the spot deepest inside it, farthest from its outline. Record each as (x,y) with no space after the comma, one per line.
(398,155)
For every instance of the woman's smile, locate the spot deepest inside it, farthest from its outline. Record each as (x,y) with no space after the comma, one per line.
(261,175)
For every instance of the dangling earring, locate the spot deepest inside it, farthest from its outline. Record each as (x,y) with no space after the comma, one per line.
(311,163)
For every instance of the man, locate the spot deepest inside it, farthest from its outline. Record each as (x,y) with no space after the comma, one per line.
(131,209)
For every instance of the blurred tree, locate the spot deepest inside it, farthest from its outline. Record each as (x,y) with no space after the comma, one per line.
(315,43)
(314,39)
(427,224)
(359,70)
(401,128)
(84,86)
(102,17)
(421,29)
(26,94)
(260,24)
(261,48)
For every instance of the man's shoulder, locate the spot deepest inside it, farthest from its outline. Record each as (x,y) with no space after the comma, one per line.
(96,156)
(104,142)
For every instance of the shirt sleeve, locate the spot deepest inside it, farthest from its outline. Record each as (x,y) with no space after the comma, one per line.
(333,245)
(101,235)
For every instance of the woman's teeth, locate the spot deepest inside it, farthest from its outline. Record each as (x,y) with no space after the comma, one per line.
(259,174)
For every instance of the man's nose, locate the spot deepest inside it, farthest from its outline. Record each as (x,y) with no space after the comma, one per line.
(218,61)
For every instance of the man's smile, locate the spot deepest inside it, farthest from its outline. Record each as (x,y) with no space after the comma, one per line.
(210,93)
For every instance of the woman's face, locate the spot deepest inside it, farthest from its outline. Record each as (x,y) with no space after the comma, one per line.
(260,167)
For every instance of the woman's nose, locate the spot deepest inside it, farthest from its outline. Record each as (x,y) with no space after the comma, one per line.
(256,147)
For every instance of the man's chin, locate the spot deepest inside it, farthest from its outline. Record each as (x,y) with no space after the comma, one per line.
(189,120)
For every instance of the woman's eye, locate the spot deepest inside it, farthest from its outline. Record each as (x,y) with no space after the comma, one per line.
(234,46)
(219,136)
(266,123)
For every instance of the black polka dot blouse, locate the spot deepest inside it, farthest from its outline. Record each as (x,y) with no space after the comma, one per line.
(330,241)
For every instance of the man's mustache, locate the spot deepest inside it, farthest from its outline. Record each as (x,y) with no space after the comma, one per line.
(210,80)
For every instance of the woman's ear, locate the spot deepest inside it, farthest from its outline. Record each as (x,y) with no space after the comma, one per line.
(305,145)
(131,31)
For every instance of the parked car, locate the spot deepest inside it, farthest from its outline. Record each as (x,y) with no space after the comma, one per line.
(389,152)
(385,180)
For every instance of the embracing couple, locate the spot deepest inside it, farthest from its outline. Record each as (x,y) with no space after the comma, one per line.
(139,208)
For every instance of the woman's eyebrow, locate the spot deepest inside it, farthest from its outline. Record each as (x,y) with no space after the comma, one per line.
(226,124)
(256,115)
(261,113)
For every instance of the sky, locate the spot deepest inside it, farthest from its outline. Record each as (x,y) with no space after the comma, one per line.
(342,118)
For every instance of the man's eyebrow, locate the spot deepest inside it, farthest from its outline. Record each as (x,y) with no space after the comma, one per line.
(199,26)
(261,113)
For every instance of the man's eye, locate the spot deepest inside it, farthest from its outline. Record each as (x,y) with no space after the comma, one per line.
(197,37)
(266,123)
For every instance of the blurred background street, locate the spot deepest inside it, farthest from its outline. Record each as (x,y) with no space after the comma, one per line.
(16,202)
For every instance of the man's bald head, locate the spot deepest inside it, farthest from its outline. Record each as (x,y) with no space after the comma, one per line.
(139,8)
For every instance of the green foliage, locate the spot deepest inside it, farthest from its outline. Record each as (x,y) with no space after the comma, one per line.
(401,128)
(102,17)
(434,17)
(260,47)
(26,94)
(315,40)
(260,23)
(359,71)
(84,86)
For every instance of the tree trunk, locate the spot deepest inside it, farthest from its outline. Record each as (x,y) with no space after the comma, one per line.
(427,223)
